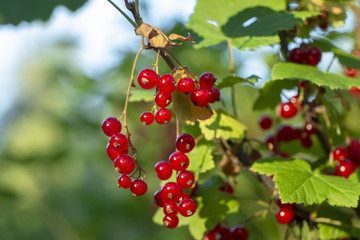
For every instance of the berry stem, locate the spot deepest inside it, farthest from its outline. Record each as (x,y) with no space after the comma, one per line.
(157,62)
(232,71)
(330,64)
(177,125)
(124,14)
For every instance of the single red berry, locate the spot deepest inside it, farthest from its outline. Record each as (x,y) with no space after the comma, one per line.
(170,221)
(240,232)
(110,126)
(285,215)
(286,133)
(138,187)
(119,142)
(147,118)
(295,100)
(345,168)
(187,207)
(209,236)
(124,181)
(170,192)
(162,99)
(354,145)
(306,142)
(309,129)
(226,187)
(186,85)
(111,152)
(265,122)
(185,142)
(297,55)
(355,156)
(184,196)
(147,78)
(214,94)
(200,97)
(340,154)
(163,116)
(158,199)
(166,84)
(354,90)
(350,72)
(220,232)
(207,80)
(178,161)
(170,209)
(185,179)
(124,164)
(313,56)
(163,170)
(288,110)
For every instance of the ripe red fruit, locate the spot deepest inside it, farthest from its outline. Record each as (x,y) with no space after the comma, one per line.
(170,192)
(138,187)
(178,161)
(163,116)
(200,97)
(124,181)
(187,207)
(265,122)
(124,164)
(345,168)
(111,126)
(313,56)
(170,209)
(170,221)
(350,72)
(186,85)
(209,236)
(119,142)
(147,118)
(284,215)
(185,142)
(166,84)
(163,170)
(214,94)
(297,55)
(158,199)
(288,110)
(206,80)
(306,142)
(354,90)
(226,187)
(162,99)
(147,78)
(286,133)
(185,179)
(340,154)
(111,152)
(240,232)
(309,129)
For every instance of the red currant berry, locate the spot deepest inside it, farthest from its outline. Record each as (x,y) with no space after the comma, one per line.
(220,232)
(147,118)
(206,80)
(288,110)
(158,199)
(170,209)
(313,56)
(284,215)
(138,187)
(163,170)
(124,164)
(163,116)
(214,94)
(209,236)
(147,78)
(309,129)
(170,192)
(170,221)
(162,99)
(111,152)
(354,90)
(350,72)
(226,187)
(200,97)
(184,196)
(110,126)
(185,143)
(187,207)
(186,85)
(270,142)
(240,232)
(178,161)
(119,142)
(340,154)
(185,179)
(345,168)
(306,142)
(297,55)
(166,84)
(265,122)
(124,181)
(286,133)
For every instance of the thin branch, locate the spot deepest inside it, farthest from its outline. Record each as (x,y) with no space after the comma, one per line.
(232,70)
(123,13)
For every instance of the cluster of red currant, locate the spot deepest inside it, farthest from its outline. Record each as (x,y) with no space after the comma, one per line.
(347,158)
(203,95)
(118,151)
(285,213)
(305,54)
(171,196)
(221,232)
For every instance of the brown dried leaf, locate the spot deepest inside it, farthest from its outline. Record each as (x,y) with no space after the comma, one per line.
(155,37)
(175,36)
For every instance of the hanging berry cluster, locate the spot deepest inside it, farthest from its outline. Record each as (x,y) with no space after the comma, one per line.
(305,54)
(347,158)
(220,232)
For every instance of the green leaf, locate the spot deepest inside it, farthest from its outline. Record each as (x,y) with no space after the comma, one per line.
(346,59)
(296,182)
(269,94)
(328,232)
(313,74)
(141,95)
(201,159)
(224,126)
(15,11)
(233,79)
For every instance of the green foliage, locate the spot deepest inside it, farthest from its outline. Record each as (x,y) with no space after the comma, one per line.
(201,159)
(142,95)
(297,183)
(233,79)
